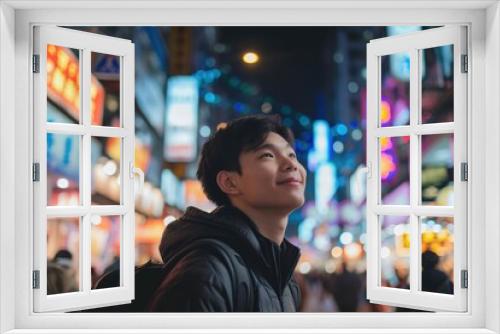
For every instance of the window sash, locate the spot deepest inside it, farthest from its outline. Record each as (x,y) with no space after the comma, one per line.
(413,44)
(85,297)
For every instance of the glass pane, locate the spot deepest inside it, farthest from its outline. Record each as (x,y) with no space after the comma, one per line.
(395,251)
(437,84)
(395,90)
(394,170)
(106,174)
(63,252)
(105,248)
(437,254)
(437,169)
(63,169)
(105,89)
(63,83)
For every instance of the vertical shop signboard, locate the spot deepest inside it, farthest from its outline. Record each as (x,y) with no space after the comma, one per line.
(181,119)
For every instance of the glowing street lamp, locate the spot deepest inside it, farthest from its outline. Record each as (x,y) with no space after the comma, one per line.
(250,57)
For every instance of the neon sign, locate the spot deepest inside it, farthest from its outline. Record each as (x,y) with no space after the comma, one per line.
(63,84)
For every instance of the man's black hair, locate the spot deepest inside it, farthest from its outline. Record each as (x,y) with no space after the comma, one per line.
(222,150)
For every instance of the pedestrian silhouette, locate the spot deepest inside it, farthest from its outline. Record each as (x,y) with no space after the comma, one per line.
(433,279)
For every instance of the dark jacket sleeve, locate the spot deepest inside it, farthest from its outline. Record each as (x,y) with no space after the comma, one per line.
(200,282)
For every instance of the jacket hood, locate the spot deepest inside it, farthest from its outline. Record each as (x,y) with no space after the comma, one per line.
(233,227)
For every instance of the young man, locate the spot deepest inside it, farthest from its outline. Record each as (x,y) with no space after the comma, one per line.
(236,259)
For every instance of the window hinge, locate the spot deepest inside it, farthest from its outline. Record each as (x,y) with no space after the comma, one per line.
(36,279)
(464,171)
(36,63)
(465,279)
(36,172)
(465,66)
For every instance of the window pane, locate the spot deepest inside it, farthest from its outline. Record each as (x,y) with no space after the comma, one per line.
(395,91)
(106,157)
(63,169)
(437,254)
(394,170)
(105,90)
(105,238)
(63,251)
(63,83)
(437,169)
(395,251)
(437,84)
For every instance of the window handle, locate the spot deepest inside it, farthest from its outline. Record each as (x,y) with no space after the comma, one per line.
(367,170)
(137,171)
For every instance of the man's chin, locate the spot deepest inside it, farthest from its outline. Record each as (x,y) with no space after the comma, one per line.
(288,205)
(300,203)
(295,204)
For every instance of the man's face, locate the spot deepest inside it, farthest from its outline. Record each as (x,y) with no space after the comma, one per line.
(271,176)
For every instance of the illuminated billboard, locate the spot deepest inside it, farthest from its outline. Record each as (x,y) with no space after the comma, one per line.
(172,189)
(63,84)
(325,184)
(181,121)
(400,62)
(63,151)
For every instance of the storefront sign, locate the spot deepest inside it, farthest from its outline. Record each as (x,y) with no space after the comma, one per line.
(63,84)
(181,120)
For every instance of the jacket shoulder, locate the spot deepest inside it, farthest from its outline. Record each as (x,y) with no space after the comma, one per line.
(208,272)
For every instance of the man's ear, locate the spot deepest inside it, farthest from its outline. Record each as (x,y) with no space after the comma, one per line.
(227,182)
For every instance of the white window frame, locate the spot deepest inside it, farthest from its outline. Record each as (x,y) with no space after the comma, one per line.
(124,50)
(16,20)
(414,44)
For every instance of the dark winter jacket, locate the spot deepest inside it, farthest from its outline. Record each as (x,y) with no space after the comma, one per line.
(219,262)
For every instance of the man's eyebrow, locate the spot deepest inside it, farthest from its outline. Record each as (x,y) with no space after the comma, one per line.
(271,146)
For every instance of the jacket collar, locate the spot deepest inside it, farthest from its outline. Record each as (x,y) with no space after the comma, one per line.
(235,228)
(280,260)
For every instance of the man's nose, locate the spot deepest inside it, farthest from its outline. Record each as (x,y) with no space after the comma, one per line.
(291,164)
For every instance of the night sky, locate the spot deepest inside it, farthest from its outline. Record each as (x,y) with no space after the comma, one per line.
(291,66)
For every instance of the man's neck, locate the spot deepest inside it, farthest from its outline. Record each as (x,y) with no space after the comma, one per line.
(270,223)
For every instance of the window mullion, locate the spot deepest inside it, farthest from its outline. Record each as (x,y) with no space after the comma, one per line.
(85,277)
(418,129)
(434,128)
(86,173)
(420,210)
(414,170)
(397,210)
(106,131)
(65,129)
(108,210)
(65,211)
(393,131)
(434,211)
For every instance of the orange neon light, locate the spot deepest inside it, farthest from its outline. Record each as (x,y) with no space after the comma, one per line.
(385,143)
(142,152)
(385,112)
(142,155)
(63,84)
(387,165)
(194,192)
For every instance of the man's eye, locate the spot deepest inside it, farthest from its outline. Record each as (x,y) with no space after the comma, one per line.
(293,155)
(266,155)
